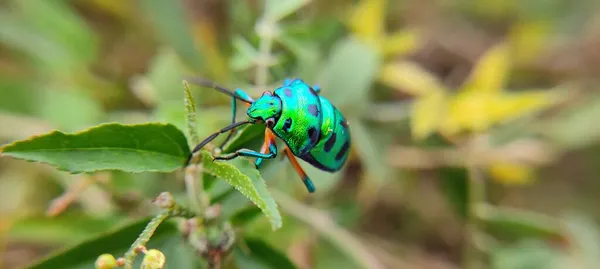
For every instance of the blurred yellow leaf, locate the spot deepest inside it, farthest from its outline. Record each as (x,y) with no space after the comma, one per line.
(468,111)
(401,43)
(477,111)
(409,78)
(490,73)
(427,112)
(367,20)
(510,106)
(527,39)
(511,173)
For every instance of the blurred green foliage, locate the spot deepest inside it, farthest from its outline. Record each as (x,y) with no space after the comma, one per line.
(474,126)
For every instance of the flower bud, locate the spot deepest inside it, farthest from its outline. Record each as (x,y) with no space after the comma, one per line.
(106,261)
(164,200)
(154,259)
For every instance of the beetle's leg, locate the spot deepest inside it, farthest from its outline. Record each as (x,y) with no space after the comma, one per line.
(267,146)
(247,153)
(317,88)
(214,135)
(244,95)
(307,182)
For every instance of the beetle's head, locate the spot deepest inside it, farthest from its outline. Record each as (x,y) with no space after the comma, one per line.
(267,108)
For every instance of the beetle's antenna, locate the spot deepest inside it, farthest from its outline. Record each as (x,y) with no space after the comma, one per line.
(213,136)
(209,84)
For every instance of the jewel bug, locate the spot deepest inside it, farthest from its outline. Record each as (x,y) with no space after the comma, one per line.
(312,128)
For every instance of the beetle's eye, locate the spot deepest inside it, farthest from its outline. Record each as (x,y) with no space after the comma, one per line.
(270,122)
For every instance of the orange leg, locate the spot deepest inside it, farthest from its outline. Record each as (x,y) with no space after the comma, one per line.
(268,145)
(305,179)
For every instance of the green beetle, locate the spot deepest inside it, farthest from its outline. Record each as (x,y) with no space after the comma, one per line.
(312,128)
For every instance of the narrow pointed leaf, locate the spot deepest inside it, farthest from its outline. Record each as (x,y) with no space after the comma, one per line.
(348,75)
(426,112)
(243,176)
(367,20)
(519,224)
(117,242)
(152,147)
(190,114)
(267,255)
(491,72)
(410,78)
(279,9)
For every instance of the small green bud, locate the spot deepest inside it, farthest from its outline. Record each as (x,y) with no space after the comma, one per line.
(154,259)
(106,261)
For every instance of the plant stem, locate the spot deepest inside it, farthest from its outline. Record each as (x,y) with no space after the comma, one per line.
(476,197)
(144,238)
(195,194)
(171,209)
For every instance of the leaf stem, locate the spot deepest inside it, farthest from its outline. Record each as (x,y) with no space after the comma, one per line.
(476,197)
(144,238)
(170,209)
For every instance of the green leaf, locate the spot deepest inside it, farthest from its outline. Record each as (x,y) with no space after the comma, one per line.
(525,255)
(19,96)
(57,230)
(148,147)
(279,9)
(576,127)
(56,105)
(244,55)
(171,23)
(453,183)
(116,242)
(267,255)
(165,73)
(371,146)
(243,136)
(519,224)
(58,22)
(242,175)
(190,115)
(348,75)
(18,35)
(244,216)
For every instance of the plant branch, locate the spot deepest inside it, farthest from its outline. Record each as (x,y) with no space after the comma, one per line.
(476,197)
(170,209)
(321,222)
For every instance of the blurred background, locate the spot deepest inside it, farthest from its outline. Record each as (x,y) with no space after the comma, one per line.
(474,123)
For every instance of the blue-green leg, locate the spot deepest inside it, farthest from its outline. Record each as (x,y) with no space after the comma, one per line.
(259,161)
(246,153)
(240,93)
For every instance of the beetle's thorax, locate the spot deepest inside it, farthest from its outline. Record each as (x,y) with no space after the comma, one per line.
(266,107)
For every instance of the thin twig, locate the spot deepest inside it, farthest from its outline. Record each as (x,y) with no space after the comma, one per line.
(476,197)
(170,209)
(338,236)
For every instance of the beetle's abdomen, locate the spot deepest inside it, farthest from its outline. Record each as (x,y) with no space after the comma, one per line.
(299,125)
(333,148)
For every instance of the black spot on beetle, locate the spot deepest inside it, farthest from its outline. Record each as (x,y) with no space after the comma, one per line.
(342,151)
(314,110)
(312,134)
(344,123)
(287,92)
(330,142)
(287,125)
